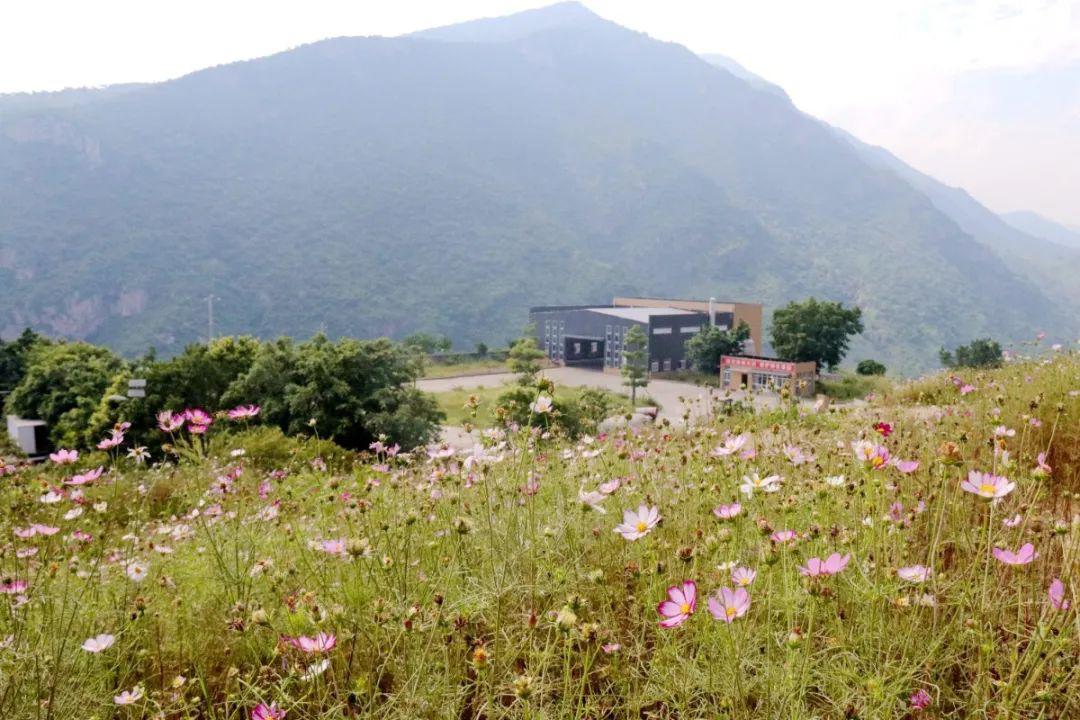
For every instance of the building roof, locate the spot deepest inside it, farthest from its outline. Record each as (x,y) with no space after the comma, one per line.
(640,314)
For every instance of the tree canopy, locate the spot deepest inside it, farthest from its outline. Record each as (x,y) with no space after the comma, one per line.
(981,353)
(817,330)
(705,349)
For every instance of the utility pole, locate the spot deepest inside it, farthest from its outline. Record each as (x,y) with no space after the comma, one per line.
(209,318)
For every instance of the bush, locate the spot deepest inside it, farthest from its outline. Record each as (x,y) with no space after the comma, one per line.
(981,353)
(870,367)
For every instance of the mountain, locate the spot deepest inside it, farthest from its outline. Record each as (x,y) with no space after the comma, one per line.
(1037,226)
(448,180)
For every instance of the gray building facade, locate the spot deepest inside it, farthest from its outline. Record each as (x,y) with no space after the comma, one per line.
(595,335)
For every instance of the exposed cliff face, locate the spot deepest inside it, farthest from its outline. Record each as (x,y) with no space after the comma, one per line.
(53,131)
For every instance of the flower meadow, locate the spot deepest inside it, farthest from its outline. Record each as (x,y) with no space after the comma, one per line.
(916,557)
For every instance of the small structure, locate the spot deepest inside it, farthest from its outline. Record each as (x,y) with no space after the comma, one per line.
(30,436)
(763,373)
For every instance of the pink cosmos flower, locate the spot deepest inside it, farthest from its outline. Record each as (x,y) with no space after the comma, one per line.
(920,700)
(11,587)
(1013,521)
(727,512)
(114,440)
(915,573)
(905,466)
(64,457)
(98,643)
(743,577)
(46,530)
(323,642)
(637,524)
(129,697)
(333,547)
(1023,556)
(25,533)
(732,445)
(967,388)
(883,429)
(1041,468)
(896,511)
(86,478)
(611,648)
(680,605)
(875,456)
(1057,595)
(987,485)
(262,711)
(244,412)
(168,422)
(782,537)
(831,565)
(728,604)
(797,456)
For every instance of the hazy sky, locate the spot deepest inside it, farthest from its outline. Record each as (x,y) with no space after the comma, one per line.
(979,93)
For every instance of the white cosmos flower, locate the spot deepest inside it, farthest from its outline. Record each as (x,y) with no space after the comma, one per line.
(637,523)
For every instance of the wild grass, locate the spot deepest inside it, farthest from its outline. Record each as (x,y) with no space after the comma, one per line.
(457,403)
(850,386)
(476,367)
(481,585)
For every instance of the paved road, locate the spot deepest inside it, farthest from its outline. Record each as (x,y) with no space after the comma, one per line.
(673,397)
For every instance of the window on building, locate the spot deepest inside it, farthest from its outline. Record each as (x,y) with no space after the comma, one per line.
(661,331)
(690,329)
(725,377)
(667,364)
(655,366)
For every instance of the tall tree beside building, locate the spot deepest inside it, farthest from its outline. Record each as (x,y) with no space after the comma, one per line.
(705,349)
(635,368)
(524,358)
(817,330)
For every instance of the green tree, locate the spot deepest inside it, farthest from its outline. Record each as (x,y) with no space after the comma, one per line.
(815,330)
(870,367)
(13,355)
(635,369)
(706,347)
(428,344)
(350,390)
(524,358)
(481,349)
(63,385)
(981,353)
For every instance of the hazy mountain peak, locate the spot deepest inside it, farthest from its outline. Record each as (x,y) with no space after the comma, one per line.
(509,28)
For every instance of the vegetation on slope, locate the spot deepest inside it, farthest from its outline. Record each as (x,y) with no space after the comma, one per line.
(860,573)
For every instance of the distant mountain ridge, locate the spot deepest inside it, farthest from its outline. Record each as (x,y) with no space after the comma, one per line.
(1038,226)
(447,180)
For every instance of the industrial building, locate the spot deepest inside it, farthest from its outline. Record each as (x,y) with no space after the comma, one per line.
(594,335)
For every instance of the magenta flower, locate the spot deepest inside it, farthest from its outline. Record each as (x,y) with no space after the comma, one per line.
(728,604)
(680,605)
(199,421)
(262,711)
(244,412)
(168,422)
(1057,595)
(85,478)
(11,587)
(1023,556)
(967,388)
(743,577)
(915,573)
(637,524)
(321,643)
(831,565)
(987,485)
(920,700)
(64,457)
(875,456)
(114,440)
(727,512)
(905,466)
(782,537)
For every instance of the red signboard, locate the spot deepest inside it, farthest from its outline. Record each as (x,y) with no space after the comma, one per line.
(758,364)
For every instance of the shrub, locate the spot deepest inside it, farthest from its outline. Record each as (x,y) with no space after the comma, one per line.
(870,367)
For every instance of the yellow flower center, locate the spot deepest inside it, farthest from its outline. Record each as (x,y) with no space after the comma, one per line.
(641,526)
(877,461)
(730,611)
(987,489)
(744,581)
(684,608)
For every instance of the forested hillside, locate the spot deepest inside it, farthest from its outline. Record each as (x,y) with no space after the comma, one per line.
(444,182)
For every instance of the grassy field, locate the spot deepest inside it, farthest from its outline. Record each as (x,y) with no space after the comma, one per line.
(256,576)
(477,367)
(453,403)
